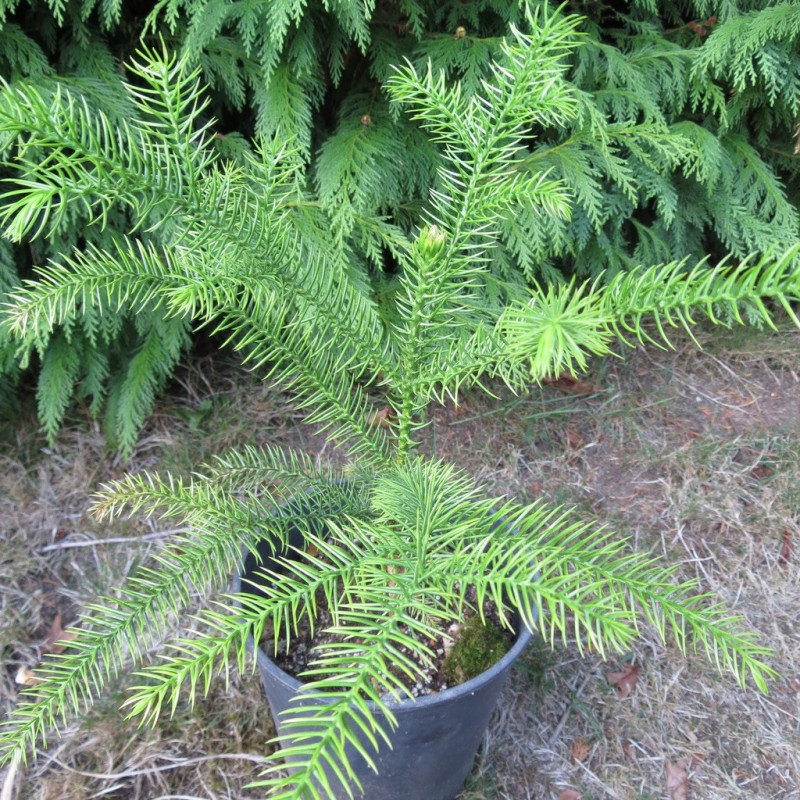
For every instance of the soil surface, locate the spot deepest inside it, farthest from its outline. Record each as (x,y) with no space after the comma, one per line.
(437,659)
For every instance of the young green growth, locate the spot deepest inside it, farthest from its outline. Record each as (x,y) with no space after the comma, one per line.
(246,255)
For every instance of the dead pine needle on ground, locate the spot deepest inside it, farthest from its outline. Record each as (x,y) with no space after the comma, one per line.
(692,454)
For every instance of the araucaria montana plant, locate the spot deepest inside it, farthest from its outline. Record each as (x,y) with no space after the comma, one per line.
(244,249)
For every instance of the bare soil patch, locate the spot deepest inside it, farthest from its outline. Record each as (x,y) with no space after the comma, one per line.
(693,455)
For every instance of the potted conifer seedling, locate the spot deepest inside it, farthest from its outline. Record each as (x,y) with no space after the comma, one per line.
(385,555)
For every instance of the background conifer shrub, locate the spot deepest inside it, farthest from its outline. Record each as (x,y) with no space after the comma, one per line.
(685,143)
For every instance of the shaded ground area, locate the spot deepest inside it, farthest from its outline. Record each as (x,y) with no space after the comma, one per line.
(692,455)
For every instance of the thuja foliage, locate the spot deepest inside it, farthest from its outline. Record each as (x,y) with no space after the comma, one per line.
(245,247)
(683,143)
(118,366)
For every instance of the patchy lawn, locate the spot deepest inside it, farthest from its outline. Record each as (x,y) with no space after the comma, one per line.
(693,455)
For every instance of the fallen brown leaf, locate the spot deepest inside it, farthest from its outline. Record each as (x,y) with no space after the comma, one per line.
(677,780)
(57,639)
(575,440)
(787,548)
(625,681)
(462,409)
(569,794)
(570,385)
(628,750)
(382,418)
(580,749)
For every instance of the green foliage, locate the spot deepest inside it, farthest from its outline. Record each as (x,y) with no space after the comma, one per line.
(238,243)
(121,363)
(753,51)
(682,141)
(8,361)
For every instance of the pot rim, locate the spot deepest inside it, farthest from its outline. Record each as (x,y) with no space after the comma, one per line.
(264,662)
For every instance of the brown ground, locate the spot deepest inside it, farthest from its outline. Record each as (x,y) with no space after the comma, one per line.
(691,454)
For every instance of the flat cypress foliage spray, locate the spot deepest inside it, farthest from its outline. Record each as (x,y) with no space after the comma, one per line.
(684,144)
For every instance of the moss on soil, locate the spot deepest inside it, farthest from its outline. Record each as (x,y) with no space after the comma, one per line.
(478,647)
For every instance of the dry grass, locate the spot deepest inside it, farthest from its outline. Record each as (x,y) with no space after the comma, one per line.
(693,455)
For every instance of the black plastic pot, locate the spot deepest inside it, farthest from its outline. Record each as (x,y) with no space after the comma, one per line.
(437,737)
